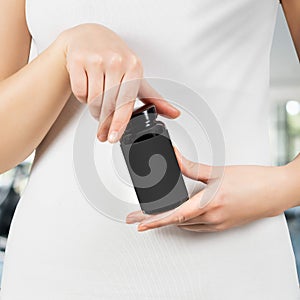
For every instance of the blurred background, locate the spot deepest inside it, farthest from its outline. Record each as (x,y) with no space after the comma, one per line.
(284,133)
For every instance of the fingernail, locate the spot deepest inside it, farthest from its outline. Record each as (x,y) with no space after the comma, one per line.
(142,228)
(102,137)
(130,220)
(175,109)
(113,137)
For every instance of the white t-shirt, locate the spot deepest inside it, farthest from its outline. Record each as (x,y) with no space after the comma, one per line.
(60,247)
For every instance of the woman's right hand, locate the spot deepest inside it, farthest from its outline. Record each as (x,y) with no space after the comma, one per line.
(99,63)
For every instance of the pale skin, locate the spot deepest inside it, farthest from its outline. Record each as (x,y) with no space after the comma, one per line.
(243,194)
(89,60)
(77,61)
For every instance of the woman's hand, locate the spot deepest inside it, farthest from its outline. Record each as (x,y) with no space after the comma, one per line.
(243,194)
(108,76)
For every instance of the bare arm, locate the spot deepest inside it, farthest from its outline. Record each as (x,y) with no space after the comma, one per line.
(241,194)
(14,37)
(31,96)
(292,12)
(88,59)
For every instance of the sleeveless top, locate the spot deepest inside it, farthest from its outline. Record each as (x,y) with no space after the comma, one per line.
(60,247)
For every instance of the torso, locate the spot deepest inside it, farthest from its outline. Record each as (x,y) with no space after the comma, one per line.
(60,247)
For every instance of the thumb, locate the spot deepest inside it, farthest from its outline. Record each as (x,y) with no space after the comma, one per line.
(193,170)
(147,94)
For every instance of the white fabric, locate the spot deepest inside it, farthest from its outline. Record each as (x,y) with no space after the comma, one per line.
(62,248)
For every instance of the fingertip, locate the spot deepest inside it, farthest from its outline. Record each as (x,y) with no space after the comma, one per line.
(142,228)
(177,112)
(172,113)
(113,137)
(101,137)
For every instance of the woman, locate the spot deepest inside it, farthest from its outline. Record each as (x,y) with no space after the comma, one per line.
(59,246)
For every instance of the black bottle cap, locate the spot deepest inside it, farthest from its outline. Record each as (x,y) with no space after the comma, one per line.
(142,118)
(145,113)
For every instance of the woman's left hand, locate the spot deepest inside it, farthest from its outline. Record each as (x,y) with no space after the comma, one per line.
(243,194)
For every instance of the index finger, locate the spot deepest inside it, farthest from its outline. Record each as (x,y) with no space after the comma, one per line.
(148,94)
(124,107)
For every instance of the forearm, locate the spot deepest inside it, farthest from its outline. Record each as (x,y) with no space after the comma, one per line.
(30,101)
(292,182)
(292,12)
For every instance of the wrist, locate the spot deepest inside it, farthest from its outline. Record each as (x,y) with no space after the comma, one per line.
(57,54)
(60,44)
(274,189)
(289,175)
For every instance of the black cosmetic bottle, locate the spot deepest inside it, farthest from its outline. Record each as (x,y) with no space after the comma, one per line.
(152,162)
